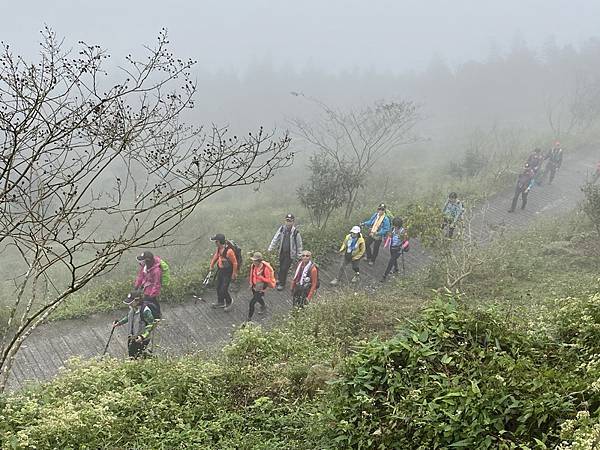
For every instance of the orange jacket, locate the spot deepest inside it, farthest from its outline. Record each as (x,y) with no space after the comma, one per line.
(262,273)
(314,279)
(219,259)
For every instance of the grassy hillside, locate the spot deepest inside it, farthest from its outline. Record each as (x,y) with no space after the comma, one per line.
(511,363)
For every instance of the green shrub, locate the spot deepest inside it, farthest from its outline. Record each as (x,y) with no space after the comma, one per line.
(454,379)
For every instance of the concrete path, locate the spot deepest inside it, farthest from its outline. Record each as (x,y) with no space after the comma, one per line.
(193,326)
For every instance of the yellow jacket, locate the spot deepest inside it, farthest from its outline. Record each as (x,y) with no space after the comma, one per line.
(359,249)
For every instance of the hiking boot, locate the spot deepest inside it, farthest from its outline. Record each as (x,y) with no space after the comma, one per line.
(371,263)
(355,278)
(511,210)
(218,305)
(383,279)
(334,282)
(262,309)
(280,287)
(228,307)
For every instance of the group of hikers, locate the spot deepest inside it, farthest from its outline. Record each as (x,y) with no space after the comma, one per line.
(538,167)
(380,228)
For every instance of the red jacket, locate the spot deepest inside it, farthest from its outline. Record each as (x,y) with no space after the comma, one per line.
(262,273)
(218,258)
(150,279)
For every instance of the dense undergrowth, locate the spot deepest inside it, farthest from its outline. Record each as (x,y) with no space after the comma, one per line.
(484,369)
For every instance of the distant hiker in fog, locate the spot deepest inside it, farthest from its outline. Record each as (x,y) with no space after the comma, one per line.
(352,249)
(535,160)
(379,225)
(397,241)
(524,184)
(149,277)
(555,157)
(452,211)
(306,280)
(142,318)
(261,278)
(227,269)
(287,238)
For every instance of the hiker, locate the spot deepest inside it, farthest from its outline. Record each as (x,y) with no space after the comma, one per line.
(452,211)
(261,278)
(555,157)
(289,240)
(142,318)
(227,270)
(596,175)
(397,241)
(534,161)
(352,249)
(306,280)
(379,226)
(524,184)
(149,277)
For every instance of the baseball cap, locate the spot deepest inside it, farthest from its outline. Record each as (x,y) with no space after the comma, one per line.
(355,229)
(289,216)
(381,206)
(145,255)
(218,237)
(257,256)
(133,296)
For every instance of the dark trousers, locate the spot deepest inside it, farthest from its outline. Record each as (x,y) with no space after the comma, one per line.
(347,259)
(552,170)
(393,262)
(376,243)
(449,227)
(257,297)
(285,261)
(223,282)
(299,295)
(524,194)
(136,349)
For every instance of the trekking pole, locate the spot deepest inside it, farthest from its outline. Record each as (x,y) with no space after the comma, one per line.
(108,342)
(205,284)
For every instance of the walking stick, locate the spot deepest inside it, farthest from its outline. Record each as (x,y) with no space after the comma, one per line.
(108,342)
(204,286)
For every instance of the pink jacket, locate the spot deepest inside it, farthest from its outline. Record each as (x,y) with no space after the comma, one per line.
(150,279)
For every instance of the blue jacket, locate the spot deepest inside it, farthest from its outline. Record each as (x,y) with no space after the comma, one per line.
(384,228)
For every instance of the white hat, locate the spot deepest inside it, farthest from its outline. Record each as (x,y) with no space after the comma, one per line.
(355,229)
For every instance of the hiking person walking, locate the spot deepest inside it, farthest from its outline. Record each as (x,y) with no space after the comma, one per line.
(306,280)
(289,240)
(452,211)
(142,318)
(149,277)
(397,241)
(525,182)
(352,249)
(261,278)
(535,159)
(555,157)
(227,269)
(379,225)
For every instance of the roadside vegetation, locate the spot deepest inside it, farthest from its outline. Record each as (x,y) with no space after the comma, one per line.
(506,364)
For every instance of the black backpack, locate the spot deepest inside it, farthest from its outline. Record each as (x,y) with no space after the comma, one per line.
(154,308)
(236,250)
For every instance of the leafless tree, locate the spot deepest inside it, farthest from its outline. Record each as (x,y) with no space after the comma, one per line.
(92,166)
(358,139)
(577,111)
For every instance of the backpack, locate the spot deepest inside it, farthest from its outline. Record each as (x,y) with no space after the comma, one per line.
(154,307)
(236,250)
(165,273)
(318,276)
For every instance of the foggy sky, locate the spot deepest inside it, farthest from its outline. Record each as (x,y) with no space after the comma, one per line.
(330,35)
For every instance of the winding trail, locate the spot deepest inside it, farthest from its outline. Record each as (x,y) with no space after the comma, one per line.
(194,326)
